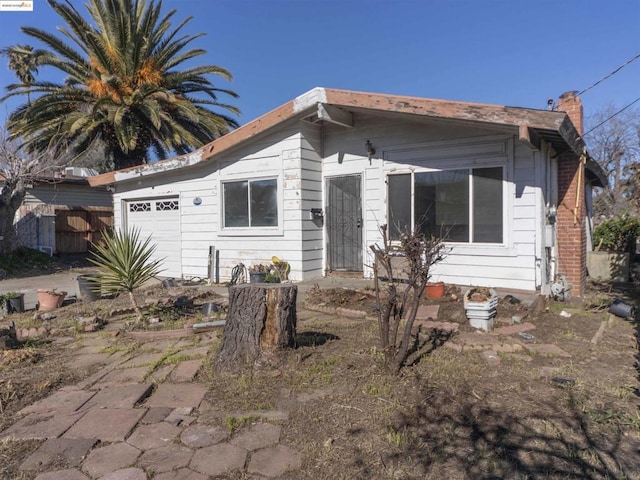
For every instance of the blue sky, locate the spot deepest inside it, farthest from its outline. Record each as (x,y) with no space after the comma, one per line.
(508,52)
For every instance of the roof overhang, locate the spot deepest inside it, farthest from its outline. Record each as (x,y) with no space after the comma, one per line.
(336,106)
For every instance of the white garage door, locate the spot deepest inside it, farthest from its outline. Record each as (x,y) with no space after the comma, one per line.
(160,219)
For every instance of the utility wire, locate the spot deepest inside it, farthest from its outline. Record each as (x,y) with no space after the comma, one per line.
(611,74)
(617,113)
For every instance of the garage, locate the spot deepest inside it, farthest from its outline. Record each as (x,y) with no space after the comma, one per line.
(159,218)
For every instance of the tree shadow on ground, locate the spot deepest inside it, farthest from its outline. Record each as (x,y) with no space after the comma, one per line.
(424,343)
(470,436)
(314,339)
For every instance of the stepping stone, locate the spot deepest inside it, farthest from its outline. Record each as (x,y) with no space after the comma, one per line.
(180,416)
(143,360)
(161,373)
(126,474)
(88,360)
(196,352)
(156,414)
(41,426)
(146,437)
(514,329)
(167,458)
(547,349)
(91,350)
(177,395)
(430,324)
(491,357)
(182,474)
(126,396)
(219,459)
(259,435)
(185,371)
(274,461)
(69,474)
(122,377)
(62,401)
(107,425)
(58,452)
(198,436)
(112,457)
(426,312)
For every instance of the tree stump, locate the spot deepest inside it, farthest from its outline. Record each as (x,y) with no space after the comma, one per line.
(261,321)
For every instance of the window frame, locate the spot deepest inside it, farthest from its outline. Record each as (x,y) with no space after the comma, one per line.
(469,166)
(251,230)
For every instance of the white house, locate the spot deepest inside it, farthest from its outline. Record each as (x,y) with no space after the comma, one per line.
(312,180)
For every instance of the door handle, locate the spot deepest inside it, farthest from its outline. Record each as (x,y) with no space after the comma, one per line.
(359,223)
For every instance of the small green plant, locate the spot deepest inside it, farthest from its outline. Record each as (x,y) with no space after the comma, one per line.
(617,234)
(4,300)
(125,263)
(272,278)
(233,423)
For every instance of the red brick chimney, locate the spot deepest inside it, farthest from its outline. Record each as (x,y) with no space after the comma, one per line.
(570,102)
(571,215)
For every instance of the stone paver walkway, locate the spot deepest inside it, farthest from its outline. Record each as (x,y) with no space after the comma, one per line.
(139,418)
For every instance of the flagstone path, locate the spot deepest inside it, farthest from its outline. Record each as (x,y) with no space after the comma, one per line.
(139,418)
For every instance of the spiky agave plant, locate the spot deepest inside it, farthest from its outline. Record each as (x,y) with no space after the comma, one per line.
(125,263)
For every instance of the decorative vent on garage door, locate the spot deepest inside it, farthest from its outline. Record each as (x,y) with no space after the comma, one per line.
(140,207)
(167,205)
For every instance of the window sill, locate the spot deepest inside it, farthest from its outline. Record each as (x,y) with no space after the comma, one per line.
(488,250)
(251,232)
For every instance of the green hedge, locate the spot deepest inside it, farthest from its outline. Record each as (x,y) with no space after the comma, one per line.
(617,234)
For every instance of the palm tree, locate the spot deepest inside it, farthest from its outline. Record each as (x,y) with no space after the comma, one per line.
(23,63)
(122,85)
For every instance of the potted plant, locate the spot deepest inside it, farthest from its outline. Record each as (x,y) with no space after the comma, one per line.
(258,273)
(50,299)
(12,302)
(615,243)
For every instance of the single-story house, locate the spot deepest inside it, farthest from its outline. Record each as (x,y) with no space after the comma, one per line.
(62,213)
(311,182)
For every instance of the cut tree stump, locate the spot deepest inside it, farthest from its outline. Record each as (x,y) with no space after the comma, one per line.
(261,321)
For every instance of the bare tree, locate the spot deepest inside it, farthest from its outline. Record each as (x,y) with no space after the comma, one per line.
(18,171)
(615,144)
(405,284)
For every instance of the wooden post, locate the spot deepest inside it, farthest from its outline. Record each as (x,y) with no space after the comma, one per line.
(261,321)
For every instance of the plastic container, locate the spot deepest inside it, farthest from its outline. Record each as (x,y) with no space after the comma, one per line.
(621,309)
(15,304)
(257,277)
(88,287)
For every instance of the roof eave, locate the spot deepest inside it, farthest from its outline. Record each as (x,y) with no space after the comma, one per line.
(537,120)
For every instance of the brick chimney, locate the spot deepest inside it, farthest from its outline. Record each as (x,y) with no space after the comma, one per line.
(571,216)
(570,103)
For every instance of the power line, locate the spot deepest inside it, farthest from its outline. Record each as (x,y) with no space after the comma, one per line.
(617,113)
(611,74)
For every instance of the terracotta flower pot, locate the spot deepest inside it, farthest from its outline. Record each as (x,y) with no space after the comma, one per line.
(435,290)
(50,299)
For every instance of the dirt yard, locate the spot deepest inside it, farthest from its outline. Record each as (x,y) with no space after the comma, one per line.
(457,412)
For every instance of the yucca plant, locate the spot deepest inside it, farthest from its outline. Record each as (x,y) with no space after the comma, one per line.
(125,263)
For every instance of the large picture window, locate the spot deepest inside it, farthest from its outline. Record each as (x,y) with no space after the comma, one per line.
(251,203)
(463,205)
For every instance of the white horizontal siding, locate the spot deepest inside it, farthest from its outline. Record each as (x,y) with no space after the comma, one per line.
(293,154)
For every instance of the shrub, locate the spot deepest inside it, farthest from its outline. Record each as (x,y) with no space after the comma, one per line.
(24,259)
(125,263)
(617,234)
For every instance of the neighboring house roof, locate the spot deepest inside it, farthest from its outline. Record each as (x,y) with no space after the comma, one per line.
(335,105)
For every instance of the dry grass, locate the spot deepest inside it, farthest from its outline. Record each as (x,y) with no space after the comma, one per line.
(450,415)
